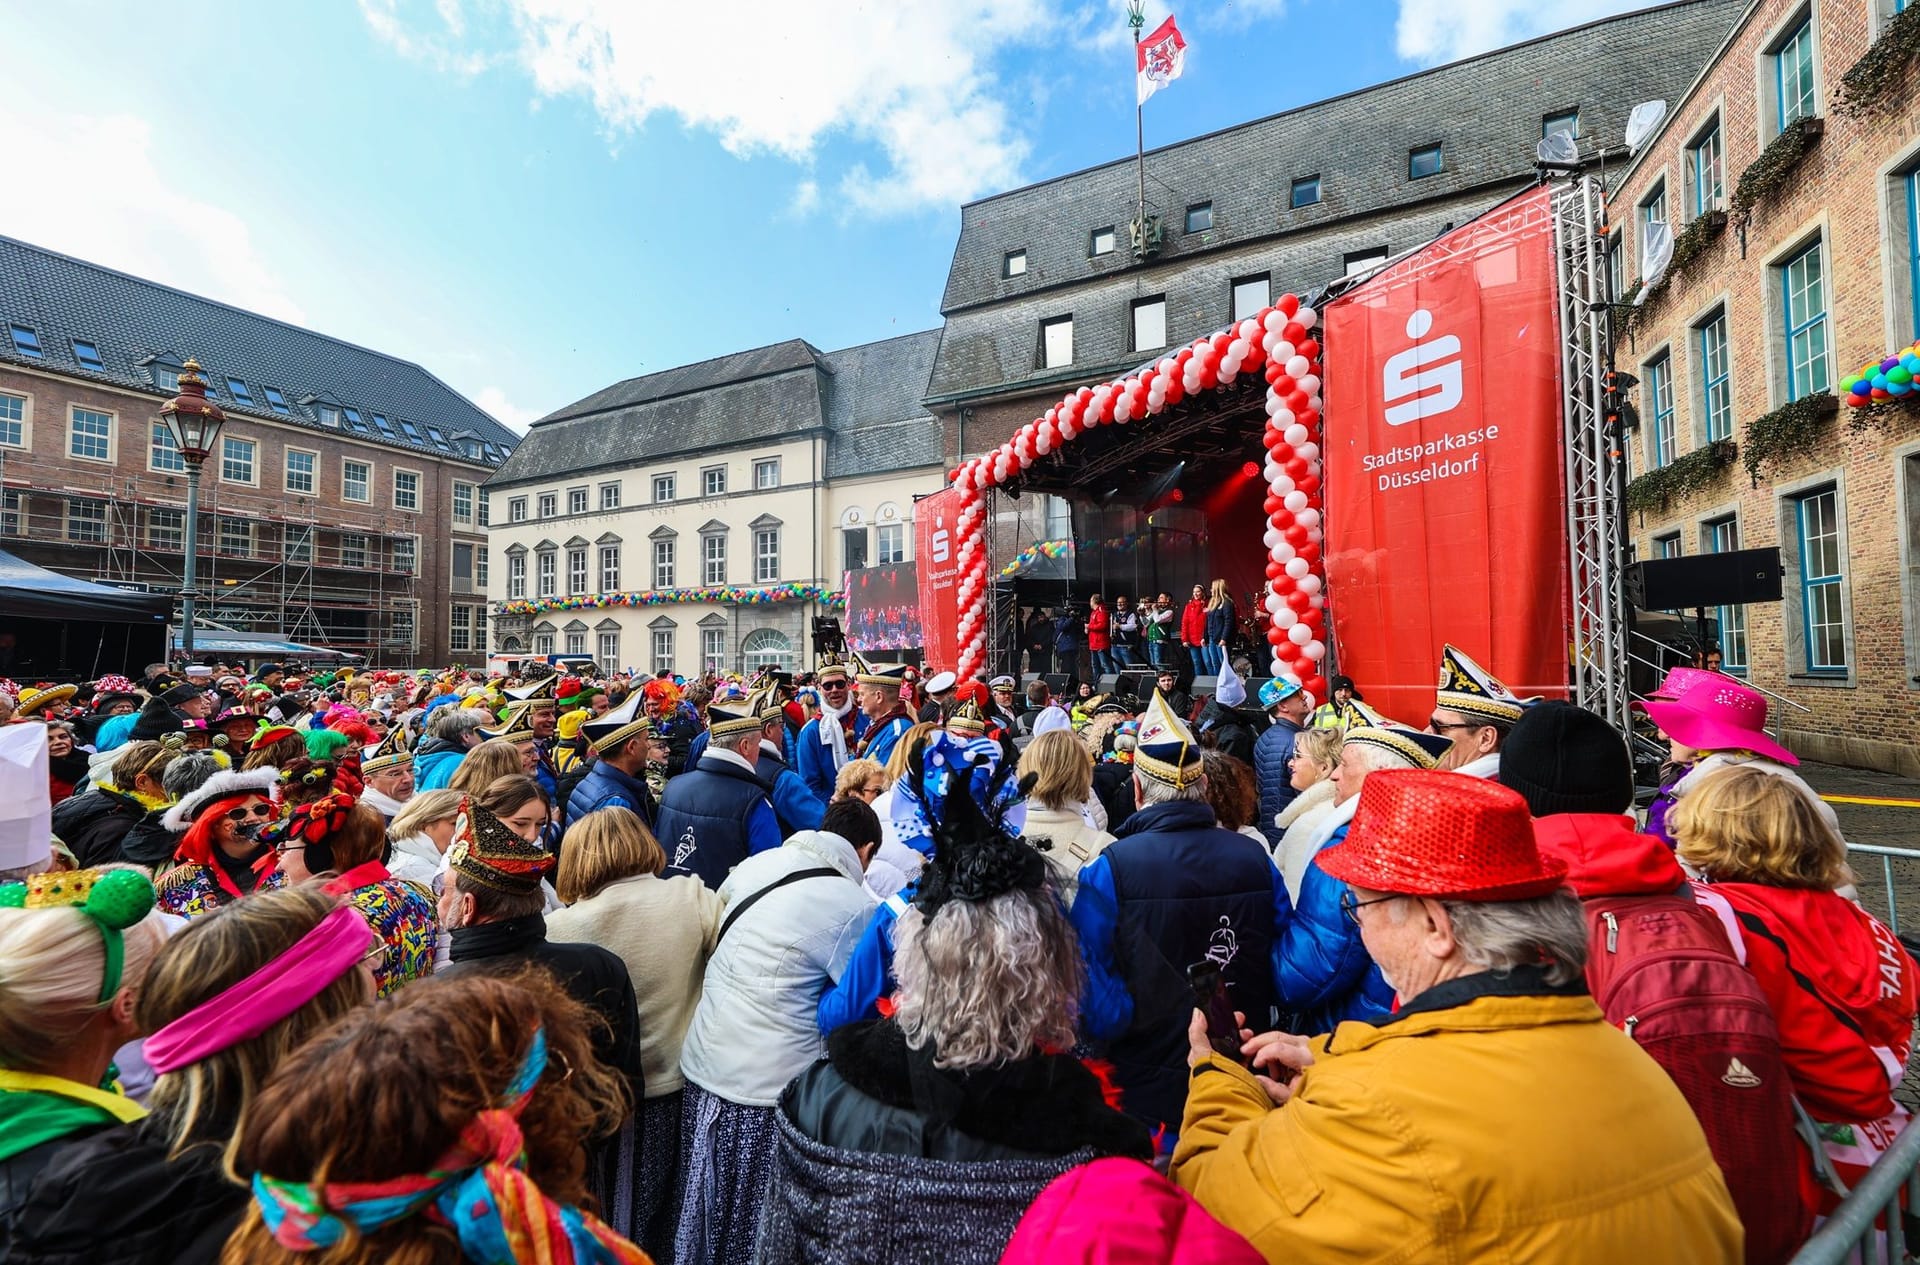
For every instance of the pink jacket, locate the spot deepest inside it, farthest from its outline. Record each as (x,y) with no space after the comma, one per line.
(1120,1212)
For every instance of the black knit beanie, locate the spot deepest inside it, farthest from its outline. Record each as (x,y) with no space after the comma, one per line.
(156,720)
(1564,759)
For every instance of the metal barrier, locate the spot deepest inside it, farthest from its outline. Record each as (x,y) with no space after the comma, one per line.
(1887,857)
(1850,1233)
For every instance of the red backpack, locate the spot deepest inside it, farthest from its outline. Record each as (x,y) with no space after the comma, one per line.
(1663,972)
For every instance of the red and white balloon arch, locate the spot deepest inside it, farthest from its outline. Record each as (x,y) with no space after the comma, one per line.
(1278,341)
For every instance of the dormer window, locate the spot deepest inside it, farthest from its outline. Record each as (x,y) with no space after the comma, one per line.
(277,401)
(162,373)
(26,342)
(353,417)
(1014,264)
(238,390)
(329,415)
(88,355)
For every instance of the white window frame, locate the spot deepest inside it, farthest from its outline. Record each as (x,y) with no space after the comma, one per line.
(68,518)
(579,497)
(707,476)
(897,533)
(221,535)
(609,568)
(609,497)
(113,433)
(664,643)
(253,461)
(670,483)
(1264,280)
(480,573)
(713,650)
(577,572)
(547,505)
(665,560)
(516,576)
(354,547)
(766,561)
(419,490)
(412,540)
(547,569)
(176,538)
(1147,323)
(460,628)
(608,644)
(766,474)
(346,482)
(24,422)
(1056,342)
(713,558)
(159,440)
(472,496)
(313,475)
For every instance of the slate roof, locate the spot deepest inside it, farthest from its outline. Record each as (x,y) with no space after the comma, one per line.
(1485,112)
(874,409)
(867,396)
(130,320)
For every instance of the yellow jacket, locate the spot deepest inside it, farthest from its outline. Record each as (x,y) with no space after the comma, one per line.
(1506,1128)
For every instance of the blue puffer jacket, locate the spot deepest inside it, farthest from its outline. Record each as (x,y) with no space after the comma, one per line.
(1320,966)
(1271,752)
(434,763)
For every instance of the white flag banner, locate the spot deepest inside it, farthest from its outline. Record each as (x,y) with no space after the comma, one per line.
(1159,59)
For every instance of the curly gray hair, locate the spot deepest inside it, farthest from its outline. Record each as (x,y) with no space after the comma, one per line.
(987,983)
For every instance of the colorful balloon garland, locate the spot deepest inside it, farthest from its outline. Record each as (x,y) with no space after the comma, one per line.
(1278,338)
(722,594)
(1889,379)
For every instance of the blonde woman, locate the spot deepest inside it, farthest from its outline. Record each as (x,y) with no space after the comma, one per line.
(420,834)
(71,970)
(1316,752)
(1220,624)
(179,1204)
(663,929)
(1057,806)
(863,778)
(1842,988)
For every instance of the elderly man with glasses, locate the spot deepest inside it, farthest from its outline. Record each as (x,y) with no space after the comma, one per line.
(1474,712)
(827,741)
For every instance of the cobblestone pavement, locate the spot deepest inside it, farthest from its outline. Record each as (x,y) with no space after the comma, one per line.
(1885,826)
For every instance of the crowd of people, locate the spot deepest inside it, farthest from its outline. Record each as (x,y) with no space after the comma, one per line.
(870,965)
(1085,645)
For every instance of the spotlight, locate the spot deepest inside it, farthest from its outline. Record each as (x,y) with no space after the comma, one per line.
(1251,470)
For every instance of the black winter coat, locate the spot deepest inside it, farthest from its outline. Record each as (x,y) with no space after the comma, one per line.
(1232,730)
(149,843)
(115,1196)
(93,824)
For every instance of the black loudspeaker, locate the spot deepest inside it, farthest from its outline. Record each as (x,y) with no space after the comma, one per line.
(1203,685)
(1058,682)
(1135,684)
(1706,579)
(1254,684)
(1107,683)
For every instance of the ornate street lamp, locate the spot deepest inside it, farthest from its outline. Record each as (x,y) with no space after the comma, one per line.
(194,421)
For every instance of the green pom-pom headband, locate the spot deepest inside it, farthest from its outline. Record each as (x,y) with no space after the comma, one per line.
(113,899)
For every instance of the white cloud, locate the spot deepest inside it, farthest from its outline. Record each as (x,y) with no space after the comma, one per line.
(494,403)
(1434,31)
(142,219)
(911,78)
(806,197)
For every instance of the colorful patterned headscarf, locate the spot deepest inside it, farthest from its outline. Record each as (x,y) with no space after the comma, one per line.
(479,1189)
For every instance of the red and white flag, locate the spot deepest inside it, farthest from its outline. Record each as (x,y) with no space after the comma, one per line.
(1159,59)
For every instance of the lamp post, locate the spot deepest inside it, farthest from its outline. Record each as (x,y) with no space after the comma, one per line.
(194,421)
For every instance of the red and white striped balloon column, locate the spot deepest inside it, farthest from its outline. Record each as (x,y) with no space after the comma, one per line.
(1296,599)
(1277,339)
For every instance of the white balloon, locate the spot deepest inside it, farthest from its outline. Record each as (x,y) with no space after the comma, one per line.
(1309,584)
(1307,317)
(1316,534)
(1307,451)
(1319,601)
(1282,485)
(1310,384)
(1239,348)
(1308,518)
(1283,615)
(1165,366)
(1249,329)
(1277,667)
(1273,602)
(1314,650)
(1296,435)
(1281,551)
(1295,500)
(1299,634)
(1275,320)
(1283,351)
(1299,569)
(1043,444)
(1298,367)
(1283,416)
(1271,537)
(1123,408)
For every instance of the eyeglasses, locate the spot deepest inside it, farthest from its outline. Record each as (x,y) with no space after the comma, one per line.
(238,815)
(1440,726)
(281,849)
(1351,906)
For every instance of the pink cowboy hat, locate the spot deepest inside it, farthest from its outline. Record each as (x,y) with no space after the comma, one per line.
(1678,682)
(1720,715)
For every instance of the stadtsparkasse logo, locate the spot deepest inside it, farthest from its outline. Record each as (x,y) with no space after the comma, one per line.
(942,541)
(1425,379)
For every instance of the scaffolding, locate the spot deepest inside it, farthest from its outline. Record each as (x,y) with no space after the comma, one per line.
(268,562)
(1596,522)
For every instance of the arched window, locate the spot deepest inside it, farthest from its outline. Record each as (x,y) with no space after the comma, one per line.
(767,648)
(511,645)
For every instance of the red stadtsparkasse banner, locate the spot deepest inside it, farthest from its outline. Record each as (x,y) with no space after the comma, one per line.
(936,550)
(1444,466)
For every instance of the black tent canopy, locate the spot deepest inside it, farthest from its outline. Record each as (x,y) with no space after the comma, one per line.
(31,592)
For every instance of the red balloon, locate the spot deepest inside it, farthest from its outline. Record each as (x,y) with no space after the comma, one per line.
(1308,419)
(1296,469)
(1289,304)
(1276,635)
(1283,585)
(1296,536)
(1221,339)
(1181,357)
(1283,452)
(1301,601)
(1274,371)
(1310,348)
(1279,521)
(1176,390)
(1209,378)
(1314,619)
(1274,504)
(1273,440)
(1275,570)
(1309,551)
(1302,666)
(1283,386)
(1294,333)
(1297,401)
(1310,484)
(1317,686)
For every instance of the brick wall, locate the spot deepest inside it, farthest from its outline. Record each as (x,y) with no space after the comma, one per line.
(1846,194)
(44,476)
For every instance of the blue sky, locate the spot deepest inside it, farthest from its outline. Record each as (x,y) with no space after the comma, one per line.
(534,198)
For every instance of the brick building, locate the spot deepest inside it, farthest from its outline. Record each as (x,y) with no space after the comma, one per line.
(343,509)
(647,523)
(1796,225)
(1046,292)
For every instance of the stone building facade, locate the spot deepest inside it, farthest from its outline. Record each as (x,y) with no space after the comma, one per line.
(694,519)
(1795,213)
(1046,293)
(343,509)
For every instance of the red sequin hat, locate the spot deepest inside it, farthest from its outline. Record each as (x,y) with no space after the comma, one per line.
(1445,835)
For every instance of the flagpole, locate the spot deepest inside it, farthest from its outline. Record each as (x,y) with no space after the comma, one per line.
(1137,18)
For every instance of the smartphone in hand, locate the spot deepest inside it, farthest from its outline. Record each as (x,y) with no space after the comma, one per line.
(1210,996)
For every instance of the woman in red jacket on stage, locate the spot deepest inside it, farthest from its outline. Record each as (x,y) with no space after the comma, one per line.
(1193,628)
(1841,986)
(1100,637)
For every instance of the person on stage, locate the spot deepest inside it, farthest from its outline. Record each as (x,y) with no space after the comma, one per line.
(1193,630)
